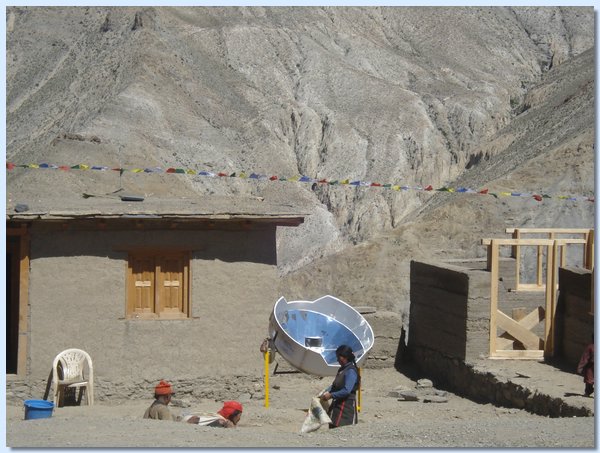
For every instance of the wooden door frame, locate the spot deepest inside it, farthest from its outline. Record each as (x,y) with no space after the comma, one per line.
(22,233)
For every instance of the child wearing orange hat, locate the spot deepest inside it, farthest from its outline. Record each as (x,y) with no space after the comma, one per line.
(159,409)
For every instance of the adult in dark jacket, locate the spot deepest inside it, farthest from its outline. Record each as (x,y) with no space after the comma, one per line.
(342,392)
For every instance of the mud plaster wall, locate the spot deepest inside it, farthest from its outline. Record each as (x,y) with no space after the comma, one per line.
(77,299)
(574,317)
(449,310)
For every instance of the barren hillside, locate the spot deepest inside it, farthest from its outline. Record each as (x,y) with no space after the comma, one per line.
(478,97)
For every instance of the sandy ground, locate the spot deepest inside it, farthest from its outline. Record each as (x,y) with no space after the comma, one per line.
(384,421)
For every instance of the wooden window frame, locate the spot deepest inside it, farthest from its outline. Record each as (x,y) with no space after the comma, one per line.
(159,257)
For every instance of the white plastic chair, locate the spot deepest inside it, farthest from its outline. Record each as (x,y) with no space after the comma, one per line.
(68,371)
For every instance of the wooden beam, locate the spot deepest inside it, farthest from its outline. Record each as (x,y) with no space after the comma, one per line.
(493,258)
(525,354)
(531,242)
(589,251)
(550,263)
(548,230)
(530,287)
(525,336)
(540,256)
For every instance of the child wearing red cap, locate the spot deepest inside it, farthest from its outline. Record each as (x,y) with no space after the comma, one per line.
(226,417)
(231,412)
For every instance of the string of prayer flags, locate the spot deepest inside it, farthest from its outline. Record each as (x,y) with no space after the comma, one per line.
(10,166)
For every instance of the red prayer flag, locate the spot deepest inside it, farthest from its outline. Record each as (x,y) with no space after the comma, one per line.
(537,197)
(170,170)
(429,187)
(10,165)
(273,178)
(484,191)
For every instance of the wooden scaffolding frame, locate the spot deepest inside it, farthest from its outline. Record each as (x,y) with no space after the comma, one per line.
(519,325)
(586,234)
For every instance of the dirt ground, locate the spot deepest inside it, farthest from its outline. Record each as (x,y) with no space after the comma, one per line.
(384,421)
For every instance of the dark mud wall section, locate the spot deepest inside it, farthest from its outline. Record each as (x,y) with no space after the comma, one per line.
(574,313)
(449,310)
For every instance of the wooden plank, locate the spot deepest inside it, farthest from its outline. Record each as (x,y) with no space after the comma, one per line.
(533,242)
(540,260)
(525,336)
(525,354)
(516,251)
(525,242)
(493,252)
(589,253)
(550,255)
(530,287)
(516,234)
(533,318)
(548,230)
(518,313)
(506,342)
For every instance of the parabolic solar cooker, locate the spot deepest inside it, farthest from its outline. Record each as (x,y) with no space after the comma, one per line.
(307,333)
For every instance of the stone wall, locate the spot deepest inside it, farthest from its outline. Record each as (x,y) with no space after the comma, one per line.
(449,310)
(486,387)
(574,317)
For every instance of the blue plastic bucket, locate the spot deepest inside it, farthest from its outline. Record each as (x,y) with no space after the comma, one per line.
(38,409)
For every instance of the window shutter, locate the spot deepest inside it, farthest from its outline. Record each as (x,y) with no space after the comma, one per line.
(142,269)
(171,283)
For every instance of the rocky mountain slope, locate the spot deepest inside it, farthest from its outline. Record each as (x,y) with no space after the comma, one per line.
(494,97)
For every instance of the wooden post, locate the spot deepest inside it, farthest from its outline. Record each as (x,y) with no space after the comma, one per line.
(493,257)
(266,357)
(540,255)
(359,396)
(515,248)
(516,253)
(589,250)
(550,292)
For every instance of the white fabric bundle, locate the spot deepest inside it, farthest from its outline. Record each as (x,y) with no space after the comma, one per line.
(316,416)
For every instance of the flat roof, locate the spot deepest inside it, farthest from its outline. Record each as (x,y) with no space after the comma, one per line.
(208,207)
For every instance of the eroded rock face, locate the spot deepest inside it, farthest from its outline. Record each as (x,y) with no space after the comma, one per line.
(408,96)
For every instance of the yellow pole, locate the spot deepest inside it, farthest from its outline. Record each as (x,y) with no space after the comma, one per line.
(267,378)
(359,392)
